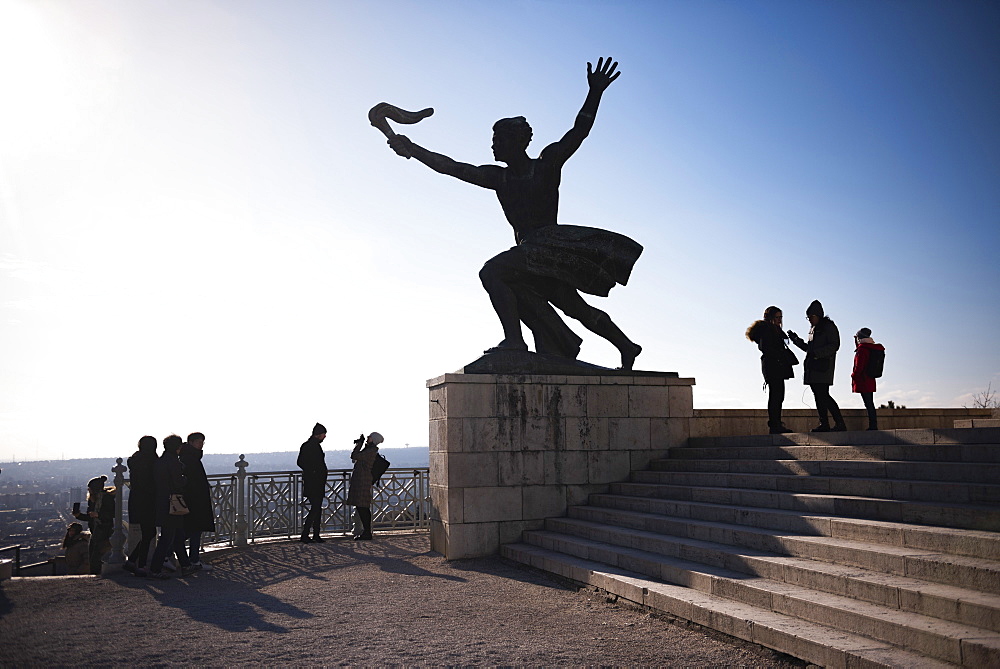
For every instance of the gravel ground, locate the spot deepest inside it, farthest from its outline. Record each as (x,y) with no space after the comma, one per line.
(387,602)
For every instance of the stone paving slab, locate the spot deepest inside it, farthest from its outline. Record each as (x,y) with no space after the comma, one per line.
(391,601)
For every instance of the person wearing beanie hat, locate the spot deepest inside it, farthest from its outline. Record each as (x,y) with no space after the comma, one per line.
(100,517)
(776,362)
(861,382)
(820,363)
(359,494)
(312,462)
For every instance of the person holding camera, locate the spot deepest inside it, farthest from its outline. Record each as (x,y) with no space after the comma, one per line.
(821,361)
(359,495)
(312,462)
(776,362)
(100,517)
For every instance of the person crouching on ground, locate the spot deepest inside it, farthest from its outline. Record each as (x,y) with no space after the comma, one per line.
(76,545)
(359,494)
(312,462)
(860,381)
(100,516)
(776,362)
(821,361)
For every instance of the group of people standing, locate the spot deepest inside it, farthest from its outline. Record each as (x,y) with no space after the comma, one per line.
(821,346)
(312,462)
(170,492)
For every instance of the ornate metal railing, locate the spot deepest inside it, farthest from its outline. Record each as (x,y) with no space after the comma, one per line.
(257,505)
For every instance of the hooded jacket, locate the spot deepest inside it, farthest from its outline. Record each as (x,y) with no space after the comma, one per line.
(861,382)
(775,364)
(142,487)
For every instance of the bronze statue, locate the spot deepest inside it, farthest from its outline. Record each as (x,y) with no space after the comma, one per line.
(551,263)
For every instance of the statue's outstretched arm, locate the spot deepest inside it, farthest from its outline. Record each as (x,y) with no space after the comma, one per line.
(599,79)
(486,176)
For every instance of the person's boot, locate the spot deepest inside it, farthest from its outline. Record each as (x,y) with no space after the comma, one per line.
(823,426)
(838,420)
(318,539)
(305,539)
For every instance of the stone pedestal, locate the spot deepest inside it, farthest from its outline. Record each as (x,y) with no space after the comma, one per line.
(508,451)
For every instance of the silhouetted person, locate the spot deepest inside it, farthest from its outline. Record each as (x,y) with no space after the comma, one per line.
(142,502)
(359,494)
(775,363)
(170,480)
(100,516)
(198,495)
(820,363)
(76,547)
(861,382)
(551,263)
(312,462)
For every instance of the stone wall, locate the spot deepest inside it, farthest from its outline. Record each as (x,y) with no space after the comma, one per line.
(508,451)
(739,422)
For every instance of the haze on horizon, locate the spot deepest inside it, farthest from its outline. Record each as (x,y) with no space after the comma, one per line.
(200,231)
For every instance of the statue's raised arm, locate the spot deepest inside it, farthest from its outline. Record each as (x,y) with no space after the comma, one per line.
(599,79)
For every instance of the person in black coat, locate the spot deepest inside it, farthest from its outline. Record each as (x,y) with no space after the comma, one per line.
(312,462)
(170,480)
(198,495)
(821,361)
(100,517)
(776,362)
(142,502)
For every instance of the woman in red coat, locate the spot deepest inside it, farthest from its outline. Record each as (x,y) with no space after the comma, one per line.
(860,381)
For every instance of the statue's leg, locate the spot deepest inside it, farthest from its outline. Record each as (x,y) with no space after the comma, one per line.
(573,305)
(552,335)
(497,275)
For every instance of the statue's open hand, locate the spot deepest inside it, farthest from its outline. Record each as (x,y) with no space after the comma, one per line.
(605,73)
(401,145)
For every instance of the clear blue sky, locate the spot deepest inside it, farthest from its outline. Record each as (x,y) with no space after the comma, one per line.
(200,231)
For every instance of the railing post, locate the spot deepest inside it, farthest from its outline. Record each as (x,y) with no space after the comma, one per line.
(241,502)
(118,537)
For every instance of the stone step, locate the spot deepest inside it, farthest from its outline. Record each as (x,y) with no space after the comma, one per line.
(813,642)
(927,491)
(818,542)
(953,472)
(929,636)
(908,437)
(965,516)
(952,603)
(957,453)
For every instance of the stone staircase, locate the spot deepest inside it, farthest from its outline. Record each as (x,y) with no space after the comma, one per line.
(847,549)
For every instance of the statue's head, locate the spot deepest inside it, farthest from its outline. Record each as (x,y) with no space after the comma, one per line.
(510,137)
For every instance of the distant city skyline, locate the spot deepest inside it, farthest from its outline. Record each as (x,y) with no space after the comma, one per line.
(199,231)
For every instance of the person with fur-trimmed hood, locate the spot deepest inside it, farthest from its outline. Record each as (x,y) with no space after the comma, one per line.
(860,381)
(776,362)
(100,516)
(821,361)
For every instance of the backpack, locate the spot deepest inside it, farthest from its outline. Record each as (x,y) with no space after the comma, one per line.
(876,360)
(379,465)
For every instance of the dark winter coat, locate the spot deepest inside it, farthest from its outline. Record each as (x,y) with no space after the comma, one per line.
(312,462)
(861,382)
(197,493)
(104,524)
(360,491)
(170,480)
(821,352)
(775,362)
(142,488)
